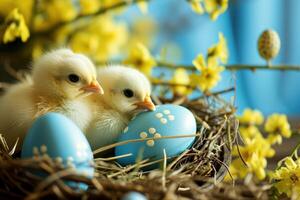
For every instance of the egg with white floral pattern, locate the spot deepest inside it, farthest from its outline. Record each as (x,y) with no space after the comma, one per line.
(54,135)
(151,127)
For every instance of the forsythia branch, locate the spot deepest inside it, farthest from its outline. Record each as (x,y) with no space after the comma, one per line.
(234,67)
(99,12)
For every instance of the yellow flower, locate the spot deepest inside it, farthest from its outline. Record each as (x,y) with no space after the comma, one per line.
(254,153)
(251,117)
(255,165)
(53,12)
(143,31)
(140,58)
(215,7)
(181,77)
(258,144)
(274,138)
(209,73)
(101,39)
(249,131)
(89,6)
(24,7)
(143,6)
(197,6)
(15,27)
(219,51)
(287,178)
(278,124)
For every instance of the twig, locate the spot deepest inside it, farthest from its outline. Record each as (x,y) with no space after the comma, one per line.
(140,140)
(82,17)
(169,84)
(164,170)
(233,67)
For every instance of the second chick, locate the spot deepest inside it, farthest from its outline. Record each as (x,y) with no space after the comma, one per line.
(126,93)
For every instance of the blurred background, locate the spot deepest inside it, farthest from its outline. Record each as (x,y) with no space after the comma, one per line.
(169,28)
(241,24)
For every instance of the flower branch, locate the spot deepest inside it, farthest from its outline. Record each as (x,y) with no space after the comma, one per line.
(237,67)
(87,16)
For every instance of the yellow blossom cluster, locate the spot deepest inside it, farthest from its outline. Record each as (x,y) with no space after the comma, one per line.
(251,117)
(53,12)
(254,152)
(210,68)
(278,124)
(213,7)
(15,27)
(257,148)
(287,177)
(139,57)
(180,78)
(89,6)
(101,39)
(24,7)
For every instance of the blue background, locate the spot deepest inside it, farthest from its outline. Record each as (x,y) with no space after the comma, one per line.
(269,91)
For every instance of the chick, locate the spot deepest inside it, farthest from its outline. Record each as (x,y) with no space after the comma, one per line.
(60,81)
(126,93)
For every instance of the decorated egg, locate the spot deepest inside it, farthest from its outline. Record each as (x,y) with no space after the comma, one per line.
(268,44)
(134,196)
(165,121)
(54,135)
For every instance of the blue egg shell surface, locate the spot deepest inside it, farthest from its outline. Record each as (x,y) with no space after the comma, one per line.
(134,196)
(166,120)
(56,136)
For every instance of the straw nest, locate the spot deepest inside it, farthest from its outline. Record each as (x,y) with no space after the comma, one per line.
(188,176)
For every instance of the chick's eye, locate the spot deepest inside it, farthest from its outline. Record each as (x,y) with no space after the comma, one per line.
(74,78)
(128,93)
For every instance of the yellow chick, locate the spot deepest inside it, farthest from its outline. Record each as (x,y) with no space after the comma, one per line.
(126,93)
(60,81)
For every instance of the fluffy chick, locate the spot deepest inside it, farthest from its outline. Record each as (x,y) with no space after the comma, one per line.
(60,81)
(126,93)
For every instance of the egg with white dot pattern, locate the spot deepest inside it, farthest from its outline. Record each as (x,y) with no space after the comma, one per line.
(167,120)
(55,136)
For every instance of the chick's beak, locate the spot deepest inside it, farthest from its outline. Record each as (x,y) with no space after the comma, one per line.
(93,87)
(146,104)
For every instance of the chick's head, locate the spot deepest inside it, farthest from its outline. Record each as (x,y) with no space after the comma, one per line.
(125,89)
(63,73)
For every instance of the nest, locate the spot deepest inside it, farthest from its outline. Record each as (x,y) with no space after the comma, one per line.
(187,176)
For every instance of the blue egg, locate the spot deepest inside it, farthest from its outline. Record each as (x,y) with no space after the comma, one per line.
(56,136)
(134,196)
(166,120)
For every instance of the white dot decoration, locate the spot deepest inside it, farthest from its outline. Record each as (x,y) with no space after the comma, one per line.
(171,117)
(157,135)
(163,120)
(159,115)
(126,130)
(152,130)
(150,143)
(143,135)
(166,112)
(43,148)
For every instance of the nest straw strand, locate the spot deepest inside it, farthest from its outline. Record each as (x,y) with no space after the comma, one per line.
(191,175)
